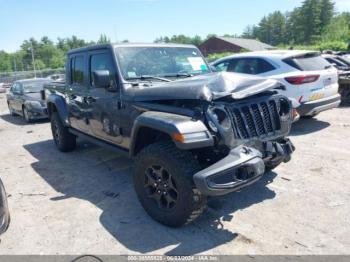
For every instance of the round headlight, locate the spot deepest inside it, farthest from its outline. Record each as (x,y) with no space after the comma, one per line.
(222,118)
(284,108)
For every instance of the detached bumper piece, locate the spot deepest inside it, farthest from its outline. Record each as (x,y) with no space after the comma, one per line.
(274,153)
(242,167)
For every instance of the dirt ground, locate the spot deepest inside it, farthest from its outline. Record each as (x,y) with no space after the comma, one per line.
(84,201)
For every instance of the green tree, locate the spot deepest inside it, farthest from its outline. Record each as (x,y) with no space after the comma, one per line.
(327,13)
(103,39)
(5,62)
(338,29)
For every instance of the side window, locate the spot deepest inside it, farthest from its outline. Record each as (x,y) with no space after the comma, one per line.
(12,89)
(77,67)
(222,67)
(245,66)
(264,66)
(101,61)
(20,88)
(16,88)
(252,66)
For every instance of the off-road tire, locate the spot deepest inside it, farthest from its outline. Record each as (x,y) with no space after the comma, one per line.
(26,115)
(345,95)
(181,165)
(64,140)
(6,218)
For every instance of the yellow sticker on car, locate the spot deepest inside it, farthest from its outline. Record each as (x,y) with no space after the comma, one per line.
(316,96)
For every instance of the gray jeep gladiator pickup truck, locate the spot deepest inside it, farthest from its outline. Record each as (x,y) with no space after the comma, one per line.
(192,132)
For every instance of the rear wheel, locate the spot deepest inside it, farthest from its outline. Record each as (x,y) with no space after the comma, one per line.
(163,179)
(12,113)
(64,140)
(345,95)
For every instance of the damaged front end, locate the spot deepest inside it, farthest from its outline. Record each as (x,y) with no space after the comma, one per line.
(246,123)
(253,130)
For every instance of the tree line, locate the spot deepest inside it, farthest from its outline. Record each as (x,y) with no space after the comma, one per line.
(313,25)
(47,54)
(315,21)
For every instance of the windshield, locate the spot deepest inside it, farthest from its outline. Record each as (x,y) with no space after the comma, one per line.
(138,62)
(35,86)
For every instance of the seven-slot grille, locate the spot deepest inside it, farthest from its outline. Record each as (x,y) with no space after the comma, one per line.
(255,120)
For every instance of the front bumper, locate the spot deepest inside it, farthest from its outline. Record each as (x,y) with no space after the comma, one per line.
(38,113)
(242,167)
(314,107)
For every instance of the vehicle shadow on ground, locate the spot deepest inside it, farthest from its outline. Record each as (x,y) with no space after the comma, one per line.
(19,121)
(307,126)
(104,179)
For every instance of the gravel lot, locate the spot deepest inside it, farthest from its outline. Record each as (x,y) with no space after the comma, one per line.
(84,202)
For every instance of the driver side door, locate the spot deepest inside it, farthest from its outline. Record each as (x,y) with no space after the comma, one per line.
(104,102)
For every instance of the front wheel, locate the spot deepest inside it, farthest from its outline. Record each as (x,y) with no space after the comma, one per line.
(163,180)
(64,140)
(26,115)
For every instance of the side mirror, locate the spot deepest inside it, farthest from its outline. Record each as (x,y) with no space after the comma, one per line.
(101,79)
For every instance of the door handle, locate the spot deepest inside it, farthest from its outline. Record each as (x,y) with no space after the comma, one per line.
(89,99)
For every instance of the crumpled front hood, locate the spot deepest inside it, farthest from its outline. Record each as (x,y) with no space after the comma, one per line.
(205,87)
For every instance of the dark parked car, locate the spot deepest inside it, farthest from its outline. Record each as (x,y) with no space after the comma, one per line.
(4,211)
(193,133)
(342,63)
(25,98)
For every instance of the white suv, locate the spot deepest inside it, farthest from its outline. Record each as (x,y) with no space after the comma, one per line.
(308,77)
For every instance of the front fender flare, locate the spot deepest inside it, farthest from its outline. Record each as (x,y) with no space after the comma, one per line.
(171,124)
(60,105)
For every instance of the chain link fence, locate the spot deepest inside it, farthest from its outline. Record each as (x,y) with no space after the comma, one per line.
(9,77)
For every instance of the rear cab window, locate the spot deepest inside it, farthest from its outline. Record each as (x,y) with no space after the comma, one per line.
(308,62)
(77,70)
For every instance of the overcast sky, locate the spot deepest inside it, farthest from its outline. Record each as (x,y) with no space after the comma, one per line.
(135,20)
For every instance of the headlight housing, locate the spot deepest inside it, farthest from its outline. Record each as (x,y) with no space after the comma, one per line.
(220,122)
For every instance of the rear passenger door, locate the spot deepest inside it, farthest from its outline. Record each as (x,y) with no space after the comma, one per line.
(77,91)
(104,102)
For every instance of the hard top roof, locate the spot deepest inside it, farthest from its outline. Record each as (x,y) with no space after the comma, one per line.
(104,46)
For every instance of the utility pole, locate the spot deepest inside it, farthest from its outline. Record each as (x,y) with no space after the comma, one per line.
(33,60)
(15,66)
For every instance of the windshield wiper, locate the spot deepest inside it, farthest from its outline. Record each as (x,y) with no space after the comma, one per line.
(147,77)
(179,75)
(31,92)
